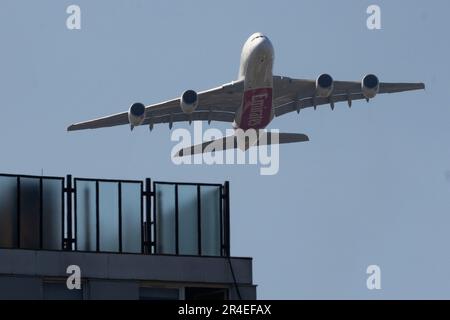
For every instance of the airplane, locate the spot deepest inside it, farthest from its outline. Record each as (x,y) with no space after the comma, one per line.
(250,102)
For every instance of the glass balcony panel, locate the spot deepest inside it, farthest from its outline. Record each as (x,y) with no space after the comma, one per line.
(52,205)
(8,212)
(165,218)
(86,215)
(131,217)
(30,213)
(188,219)
(210,220)
(109,216)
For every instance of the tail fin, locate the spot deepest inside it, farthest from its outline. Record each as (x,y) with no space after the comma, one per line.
(234,142)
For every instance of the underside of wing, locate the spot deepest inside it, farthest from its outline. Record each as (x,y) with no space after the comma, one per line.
(109,121)
(296,94)
(218,104)
(212,115)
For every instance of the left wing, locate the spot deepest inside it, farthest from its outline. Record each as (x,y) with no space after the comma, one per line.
(218,104)
(295,94)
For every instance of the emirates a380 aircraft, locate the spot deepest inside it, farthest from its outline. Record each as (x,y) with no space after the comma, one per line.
(252,101)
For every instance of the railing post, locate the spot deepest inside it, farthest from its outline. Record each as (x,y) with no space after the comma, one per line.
(18,212)
(41,214)
(177,222)
(68,241)
(97,216)
(147,235)
(226,204)
(199,221)
(119,208)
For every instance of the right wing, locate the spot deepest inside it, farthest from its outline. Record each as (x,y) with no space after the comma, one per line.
(218,104)
(295,94)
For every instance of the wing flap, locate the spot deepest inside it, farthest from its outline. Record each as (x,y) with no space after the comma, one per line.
(195,116)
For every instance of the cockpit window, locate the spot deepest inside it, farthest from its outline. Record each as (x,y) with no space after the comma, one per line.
(258,36)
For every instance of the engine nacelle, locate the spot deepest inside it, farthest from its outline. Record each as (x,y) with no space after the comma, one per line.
(136,114)
(370,86)
(324,85)
(189,101)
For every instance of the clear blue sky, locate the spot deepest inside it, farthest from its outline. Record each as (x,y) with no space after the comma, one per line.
(371,187)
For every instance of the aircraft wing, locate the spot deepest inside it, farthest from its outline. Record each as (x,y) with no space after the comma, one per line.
(295,94)
(221,103)
(218,104)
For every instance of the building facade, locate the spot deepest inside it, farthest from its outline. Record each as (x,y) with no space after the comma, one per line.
(65,238)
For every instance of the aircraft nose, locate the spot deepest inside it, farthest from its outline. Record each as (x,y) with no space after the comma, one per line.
(256,35)
(262,44)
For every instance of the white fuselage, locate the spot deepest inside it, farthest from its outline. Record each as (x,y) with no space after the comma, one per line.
(257,57)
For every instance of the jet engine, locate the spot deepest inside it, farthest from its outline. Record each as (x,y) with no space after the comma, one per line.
(136,114)
(370,86)
(189,101)
(324,85)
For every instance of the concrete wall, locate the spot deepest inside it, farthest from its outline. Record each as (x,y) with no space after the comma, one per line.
(25,273)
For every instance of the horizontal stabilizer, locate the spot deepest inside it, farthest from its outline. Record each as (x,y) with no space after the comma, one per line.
(283,138)
(234,142)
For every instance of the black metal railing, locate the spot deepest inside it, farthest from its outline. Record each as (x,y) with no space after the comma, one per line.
(123,216)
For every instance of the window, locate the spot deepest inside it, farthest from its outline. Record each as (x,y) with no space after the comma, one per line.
(194,293)
(149,293)
(57,290)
